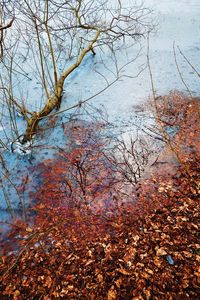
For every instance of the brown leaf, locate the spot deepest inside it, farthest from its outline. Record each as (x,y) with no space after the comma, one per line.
(100,278)
(112,294)
(123,271)
(161,252)
(118,282)
(16,293)
(89,262)
(157,262)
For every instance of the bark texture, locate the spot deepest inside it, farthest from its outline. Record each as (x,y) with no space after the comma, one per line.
(54,101)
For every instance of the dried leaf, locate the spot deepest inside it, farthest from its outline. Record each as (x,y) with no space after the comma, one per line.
(16,293)
(161,252)
(112,294)
(123,271)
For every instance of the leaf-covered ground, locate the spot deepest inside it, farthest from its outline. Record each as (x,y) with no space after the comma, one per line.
(145,250)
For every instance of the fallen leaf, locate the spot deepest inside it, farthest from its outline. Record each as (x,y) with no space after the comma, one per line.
(16,293)
(112,295)
(161,252)
(123,271)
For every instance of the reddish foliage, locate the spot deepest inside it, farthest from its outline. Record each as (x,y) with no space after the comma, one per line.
(149,250)
(80,174)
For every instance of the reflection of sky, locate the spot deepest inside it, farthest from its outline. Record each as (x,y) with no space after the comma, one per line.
(178,21)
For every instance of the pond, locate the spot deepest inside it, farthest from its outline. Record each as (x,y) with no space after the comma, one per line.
(178,25)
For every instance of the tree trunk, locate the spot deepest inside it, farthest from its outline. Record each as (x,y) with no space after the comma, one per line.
(54,101)
(51,104)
